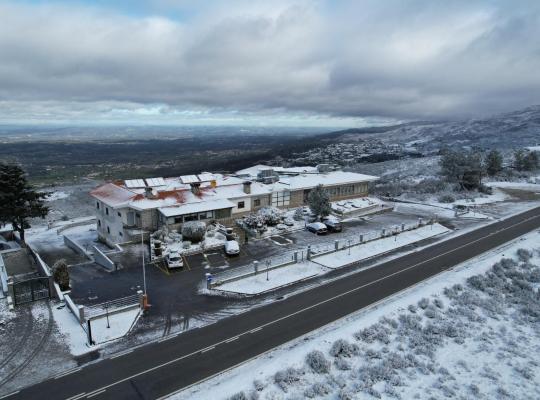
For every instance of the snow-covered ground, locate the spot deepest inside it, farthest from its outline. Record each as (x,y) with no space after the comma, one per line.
(276,278)
(379,246)
(535,187)
(76,337)
(471,332)
(58,195)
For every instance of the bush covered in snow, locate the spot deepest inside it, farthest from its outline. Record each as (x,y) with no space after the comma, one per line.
(193,231)
(342,348)
(317,362)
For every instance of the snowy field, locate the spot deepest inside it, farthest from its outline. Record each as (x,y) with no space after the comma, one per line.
(471,332)
(377,247)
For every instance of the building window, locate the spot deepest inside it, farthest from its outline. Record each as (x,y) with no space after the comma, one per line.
(99,223)
(256,203)
(97,205)
(178,220)
(280,199)
(241,204)
(108,230)
(190,217)
(119,214)
(206,215)
(107,210)
(121,234)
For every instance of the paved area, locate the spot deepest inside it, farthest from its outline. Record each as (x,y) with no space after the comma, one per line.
(162,367)
(176,302)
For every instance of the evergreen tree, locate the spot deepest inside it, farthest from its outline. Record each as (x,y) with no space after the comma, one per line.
(525,160)
(319,202)
(493,162)
(464,168)
(18,200)
(61,274)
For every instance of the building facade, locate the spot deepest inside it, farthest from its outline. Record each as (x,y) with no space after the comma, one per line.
(125,209)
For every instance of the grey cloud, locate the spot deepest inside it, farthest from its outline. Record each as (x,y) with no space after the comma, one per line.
(405,60)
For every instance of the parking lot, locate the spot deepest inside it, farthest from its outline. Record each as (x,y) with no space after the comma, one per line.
(175,297)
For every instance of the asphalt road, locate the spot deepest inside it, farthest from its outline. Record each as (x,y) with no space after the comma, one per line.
(160,368)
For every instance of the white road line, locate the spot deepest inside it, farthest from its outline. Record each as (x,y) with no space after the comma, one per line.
(96,393)
(208,349)
(123,353)
(255,330)
(232,339)
(313,306)
(77,396)
(67,372)
(9,394)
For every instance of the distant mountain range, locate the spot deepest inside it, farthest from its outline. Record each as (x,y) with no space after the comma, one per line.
(510,130)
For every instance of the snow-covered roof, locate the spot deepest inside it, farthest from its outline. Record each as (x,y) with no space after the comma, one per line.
(253,171)
(533,148)
(176,191)
(201,206)
(307,181)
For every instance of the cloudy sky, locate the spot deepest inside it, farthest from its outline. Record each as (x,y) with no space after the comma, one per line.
(279,62)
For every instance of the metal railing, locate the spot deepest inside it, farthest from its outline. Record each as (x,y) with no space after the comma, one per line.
(110,306)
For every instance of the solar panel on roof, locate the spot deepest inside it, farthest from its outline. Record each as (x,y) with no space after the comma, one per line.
(153,182)
(135,183)
(189,179)
(206,177)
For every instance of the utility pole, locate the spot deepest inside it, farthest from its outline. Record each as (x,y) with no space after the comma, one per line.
(145,296)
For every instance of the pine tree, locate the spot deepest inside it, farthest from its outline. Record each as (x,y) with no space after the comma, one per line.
(18,200)
(319,202)
(493,162)
(61,274)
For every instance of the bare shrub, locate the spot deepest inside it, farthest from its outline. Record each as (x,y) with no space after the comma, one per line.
(317,390)
(287,377)
(423,303)
(524,255)
(342,348)
(318,362)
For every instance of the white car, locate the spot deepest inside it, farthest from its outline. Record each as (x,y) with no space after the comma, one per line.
(174,260)
(232,248)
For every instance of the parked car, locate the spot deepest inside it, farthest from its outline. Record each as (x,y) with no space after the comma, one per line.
(288,221)
(333,225)
(317,227)
(232,248)
(312,217)
(174,260)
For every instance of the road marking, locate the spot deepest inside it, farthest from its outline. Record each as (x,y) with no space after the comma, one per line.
(123,353)
(77,396)
(175,360)
(232,339)
(96,393)
(9,394)
(255,330)
(67,372)
(208,349)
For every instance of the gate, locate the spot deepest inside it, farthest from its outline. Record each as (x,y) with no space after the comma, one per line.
(31,290)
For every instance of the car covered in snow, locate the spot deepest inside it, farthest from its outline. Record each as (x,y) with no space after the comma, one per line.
(333,225)
(317,227)
(231,247)
(174,260)
(288,221)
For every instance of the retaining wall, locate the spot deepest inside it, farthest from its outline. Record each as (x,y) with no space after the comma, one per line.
(72,244)
(103,260)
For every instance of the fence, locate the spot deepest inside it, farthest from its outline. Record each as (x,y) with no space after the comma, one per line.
(72,244)
(308,253)
(111,307)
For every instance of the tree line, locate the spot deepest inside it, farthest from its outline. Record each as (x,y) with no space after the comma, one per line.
(467,168)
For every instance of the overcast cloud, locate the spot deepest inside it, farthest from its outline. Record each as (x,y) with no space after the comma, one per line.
(282,62)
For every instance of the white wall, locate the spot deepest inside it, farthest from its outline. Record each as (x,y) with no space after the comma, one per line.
(247,205)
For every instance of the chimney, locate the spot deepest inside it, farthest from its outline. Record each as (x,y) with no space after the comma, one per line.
(247,187)
(148,193)
(195,188)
